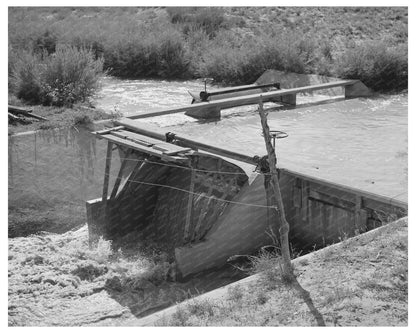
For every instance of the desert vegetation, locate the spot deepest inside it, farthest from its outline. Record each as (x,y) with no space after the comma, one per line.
(57,54)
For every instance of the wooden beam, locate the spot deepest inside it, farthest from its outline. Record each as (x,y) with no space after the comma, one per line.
(106,181)
(25,112)
(155,133)
(144,149)
(370,200)
(189,206)
(120,175)
(243,100)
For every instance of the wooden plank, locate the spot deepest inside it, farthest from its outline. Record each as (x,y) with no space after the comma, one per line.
(108,130)
(155,133)
(25,112)
(189,206)
(119,176)
(207,201)
(369,199)
(332,200)
(140,139)
(94,215)
(164,147)
(244,100)
(305,198)
(147,150)
(169,149)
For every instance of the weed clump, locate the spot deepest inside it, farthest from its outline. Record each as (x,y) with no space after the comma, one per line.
(268,264)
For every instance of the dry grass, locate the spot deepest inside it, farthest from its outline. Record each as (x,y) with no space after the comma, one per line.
(360,282)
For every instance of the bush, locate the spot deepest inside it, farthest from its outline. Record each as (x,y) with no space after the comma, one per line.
(68,76)
(152,54)
(25,77)
(208,19)
(244,62)
(378,66)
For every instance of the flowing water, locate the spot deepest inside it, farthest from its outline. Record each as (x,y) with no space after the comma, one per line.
(359,142)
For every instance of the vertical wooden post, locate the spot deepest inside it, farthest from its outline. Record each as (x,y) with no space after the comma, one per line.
(190,203)
(120,174)
(106,182)
(282,222)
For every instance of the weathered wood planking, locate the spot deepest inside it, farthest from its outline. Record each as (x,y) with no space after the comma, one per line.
(144,149)
(156,133)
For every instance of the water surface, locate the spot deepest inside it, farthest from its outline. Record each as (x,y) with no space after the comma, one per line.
(359,142)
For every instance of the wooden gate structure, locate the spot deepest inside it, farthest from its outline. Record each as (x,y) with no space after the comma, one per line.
(198,202)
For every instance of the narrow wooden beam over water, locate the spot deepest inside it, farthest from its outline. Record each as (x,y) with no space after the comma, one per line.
(249,99)
(156,133)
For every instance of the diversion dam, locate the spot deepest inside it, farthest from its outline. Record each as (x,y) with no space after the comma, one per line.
(359,144)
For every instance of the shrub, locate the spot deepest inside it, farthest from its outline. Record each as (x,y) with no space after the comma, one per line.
(71,75)
(378,66)
(65,77)
(45,43)
(209,19)
(244,61)
(149,54)
(25,77)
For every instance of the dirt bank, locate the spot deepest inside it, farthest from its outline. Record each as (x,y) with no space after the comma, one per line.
(362,281)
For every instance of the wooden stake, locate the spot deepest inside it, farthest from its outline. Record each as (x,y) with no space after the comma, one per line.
(282,222)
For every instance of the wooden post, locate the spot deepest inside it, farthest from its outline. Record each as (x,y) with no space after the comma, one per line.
(282,222)
(120,174)
(190,202)
(106,182)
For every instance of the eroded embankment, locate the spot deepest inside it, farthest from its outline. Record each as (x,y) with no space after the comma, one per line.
(362,281)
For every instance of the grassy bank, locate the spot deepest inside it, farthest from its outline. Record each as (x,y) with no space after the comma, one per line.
(234,45)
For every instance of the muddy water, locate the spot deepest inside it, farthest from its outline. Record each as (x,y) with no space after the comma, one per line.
(360,142)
